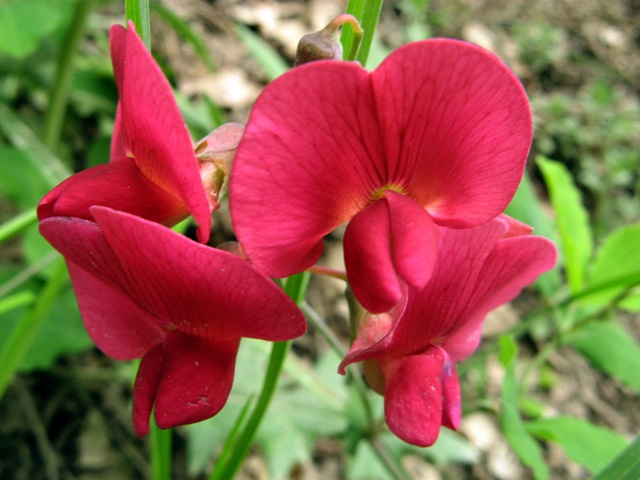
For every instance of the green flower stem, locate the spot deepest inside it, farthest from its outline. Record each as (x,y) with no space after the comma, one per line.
(160,452)
(138,12)
(20,135)
(396,471)
(25,331)
(27,273)
(17,224)
(17,300)
(626,281)
(328,272)
(59,95)
(368,13)
(296,288)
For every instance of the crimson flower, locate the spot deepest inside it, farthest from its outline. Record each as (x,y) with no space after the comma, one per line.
(146,291)
(437,135)
(409,352)
(153,171)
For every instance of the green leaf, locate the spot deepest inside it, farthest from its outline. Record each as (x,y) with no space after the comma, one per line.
(618,257)
(20,180)
(25,23)
(525,206)
(61,333)
(46,164)
(611,349)
(366,465)
(583,442)
(451,447)
(573,221)
(527,449)
(20,338)
(625,466)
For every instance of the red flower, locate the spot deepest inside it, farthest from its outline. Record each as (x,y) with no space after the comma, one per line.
(153,172)
(146,291)
(437,135)
(409,353)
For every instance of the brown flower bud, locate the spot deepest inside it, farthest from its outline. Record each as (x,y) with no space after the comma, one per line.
(324,45)
(215,155)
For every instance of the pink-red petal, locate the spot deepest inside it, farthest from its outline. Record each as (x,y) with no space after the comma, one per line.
(414,238)
(441,120)
(196,379)
(145,388)
(118,185)
(514,263)
(413,397)
(203,291)
(81,242)
(119,327)
(451,395)
(388,243)
(434,311)
(310,158)
(367,257)
(151,126)
(457,128)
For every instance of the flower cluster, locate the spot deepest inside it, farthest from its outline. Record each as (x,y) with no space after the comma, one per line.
(419,157)
(144,290)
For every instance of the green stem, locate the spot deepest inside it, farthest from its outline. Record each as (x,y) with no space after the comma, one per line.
(388,461)
(160,453)
(17,300)
(25,331)
(328,272)
(17,224)
(20,135)
(138,12)
(28,272)
(59,95)
(625,281)
(296,288)
(368,13)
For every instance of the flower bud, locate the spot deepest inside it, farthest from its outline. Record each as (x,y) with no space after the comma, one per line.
(324,45)
(215,154)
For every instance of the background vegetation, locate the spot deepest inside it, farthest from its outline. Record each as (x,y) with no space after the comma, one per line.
(553,391)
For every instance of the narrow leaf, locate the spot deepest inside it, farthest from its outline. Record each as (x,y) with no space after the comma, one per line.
(573,221)
(52,170)
(618,256)
(584,443)
(25,23)
(527,449)
(526,207)
(625,466)
(23,335)
(611,349)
